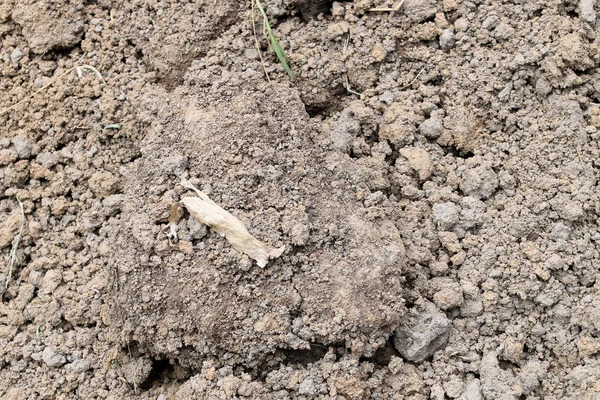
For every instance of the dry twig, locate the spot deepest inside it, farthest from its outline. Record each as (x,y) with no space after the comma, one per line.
(396,7)
(414,79)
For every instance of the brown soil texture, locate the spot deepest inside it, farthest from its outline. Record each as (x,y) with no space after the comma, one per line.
(432,173)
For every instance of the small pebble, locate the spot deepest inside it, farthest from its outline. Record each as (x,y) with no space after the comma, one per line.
(447,40)
(445,215)
(15,57)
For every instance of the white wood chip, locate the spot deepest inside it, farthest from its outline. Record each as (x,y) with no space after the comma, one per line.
(210,213)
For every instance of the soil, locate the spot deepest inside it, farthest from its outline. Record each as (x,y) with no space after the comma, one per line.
(432,173)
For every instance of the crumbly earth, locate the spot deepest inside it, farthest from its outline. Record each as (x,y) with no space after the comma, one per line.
(432,173)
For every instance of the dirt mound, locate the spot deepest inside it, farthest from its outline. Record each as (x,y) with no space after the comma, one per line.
(253,147)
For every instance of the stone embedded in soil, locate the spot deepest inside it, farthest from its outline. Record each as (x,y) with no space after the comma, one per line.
(424,335)
(16,56)
(447,39)
(445,215)
(513,350)
(307,387)
(472,391)
(560,231)
(432,128)
(113,203)
(196,228)
(490,22)
(379,53)
(22,146)
(53,359)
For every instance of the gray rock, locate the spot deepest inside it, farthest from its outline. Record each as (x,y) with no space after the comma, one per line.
(445,215)
(560,231)
(423,336)
(113,203)
(53,359)
(23,147)
(387,97)
(16,56)
(432,128)
(46,159)
(447,40)
(586,11)
(78,366)
(490,22)
(197,229)
(307,387)
(36,278)
(472,391)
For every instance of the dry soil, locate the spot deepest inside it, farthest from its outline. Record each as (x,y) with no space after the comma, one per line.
(432,173)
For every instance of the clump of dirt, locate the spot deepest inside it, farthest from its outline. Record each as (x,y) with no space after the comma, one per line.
(432,173)
(338,282)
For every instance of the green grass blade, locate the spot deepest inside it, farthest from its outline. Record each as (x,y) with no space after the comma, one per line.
(273,40)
